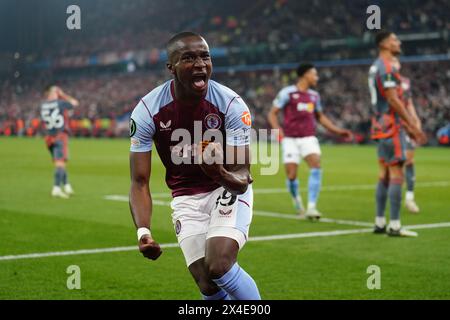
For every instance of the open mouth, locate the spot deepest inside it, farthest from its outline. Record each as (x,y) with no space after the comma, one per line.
(199,81)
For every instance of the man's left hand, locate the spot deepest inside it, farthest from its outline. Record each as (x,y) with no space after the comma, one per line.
(346,134)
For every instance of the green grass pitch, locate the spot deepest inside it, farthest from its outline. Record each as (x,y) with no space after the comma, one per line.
(325,267)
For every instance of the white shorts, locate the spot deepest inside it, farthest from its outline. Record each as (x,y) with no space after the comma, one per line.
(214,214)
(295,149)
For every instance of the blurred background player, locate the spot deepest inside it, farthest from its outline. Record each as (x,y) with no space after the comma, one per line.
(54,115)
(443,135)
(301,108)
(388,109)
(410,171)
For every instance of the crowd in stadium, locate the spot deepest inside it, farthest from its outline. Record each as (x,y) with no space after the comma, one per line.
(108,97)
(130,25)
(343,89)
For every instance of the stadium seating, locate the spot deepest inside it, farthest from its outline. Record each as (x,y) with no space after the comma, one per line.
(266,31)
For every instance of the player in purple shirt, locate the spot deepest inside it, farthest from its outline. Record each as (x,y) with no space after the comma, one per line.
(212,200)
(301,108)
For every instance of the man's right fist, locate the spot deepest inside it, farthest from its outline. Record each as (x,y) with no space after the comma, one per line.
(149,248)
(419,136)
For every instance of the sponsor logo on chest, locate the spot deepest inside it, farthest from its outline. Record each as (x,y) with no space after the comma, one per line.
(302,106)
(165,126)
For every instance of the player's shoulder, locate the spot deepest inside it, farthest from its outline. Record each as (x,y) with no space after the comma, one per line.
(314,97)
(375,66)
(222,97)
(63,104)
(288,90)
(383,65)
(49,104)
(313,93)
(156,99)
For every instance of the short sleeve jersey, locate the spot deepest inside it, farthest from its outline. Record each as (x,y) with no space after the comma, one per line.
(299,111)
(383,76)
(161,120)
(54,116)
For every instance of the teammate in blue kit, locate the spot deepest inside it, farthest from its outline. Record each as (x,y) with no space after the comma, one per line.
(302,109)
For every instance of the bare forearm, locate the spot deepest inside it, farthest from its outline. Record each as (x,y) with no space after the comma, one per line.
(236,182)
(273,120)
(140,204)
(413,113)
(327,124)
(69,99)
(399,108)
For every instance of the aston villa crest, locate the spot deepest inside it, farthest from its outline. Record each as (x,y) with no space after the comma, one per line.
(213,121)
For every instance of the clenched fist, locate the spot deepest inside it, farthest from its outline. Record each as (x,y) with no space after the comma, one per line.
(211,159)
(149,248)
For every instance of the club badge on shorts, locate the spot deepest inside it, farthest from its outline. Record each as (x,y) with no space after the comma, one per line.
(177,227)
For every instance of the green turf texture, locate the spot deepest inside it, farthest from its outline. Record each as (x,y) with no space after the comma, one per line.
(309,268)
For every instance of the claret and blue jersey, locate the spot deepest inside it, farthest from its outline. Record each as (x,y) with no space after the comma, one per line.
(299,111)
(159,114)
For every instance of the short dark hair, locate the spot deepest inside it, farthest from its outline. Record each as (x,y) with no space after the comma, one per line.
(304,68)
(170,44)
(48,87)
(381,35)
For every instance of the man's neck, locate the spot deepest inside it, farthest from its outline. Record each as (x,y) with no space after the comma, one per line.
(184,97)
(302,85)
(385,54)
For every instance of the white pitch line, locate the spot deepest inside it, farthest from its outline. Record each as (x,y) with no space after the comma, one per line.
(77,252)
(353,187)
(327,220)
(310,235)
(262,213)
(115,197)
(429,226)
(174,245)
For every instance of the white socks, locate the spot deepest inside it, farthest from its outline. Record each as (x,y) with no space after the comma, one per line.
(409,196)
(311,205)
(395,224)
(380,222)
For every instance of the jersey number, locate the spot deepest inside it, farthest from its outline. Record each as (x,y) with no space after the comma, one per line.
(226,199)
(52,118)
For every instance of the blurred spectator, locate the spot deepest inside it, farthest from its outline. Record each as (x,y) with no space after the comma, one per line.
(253,32)
(107,100)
